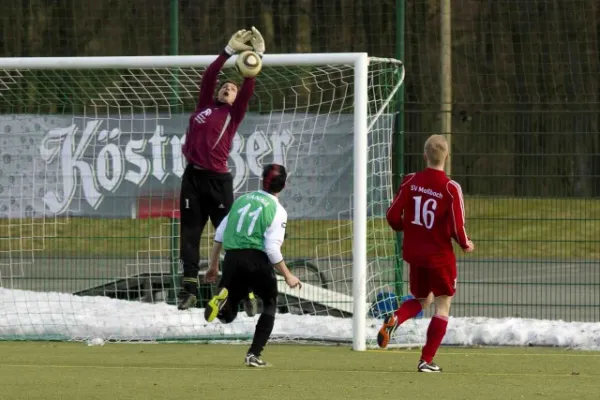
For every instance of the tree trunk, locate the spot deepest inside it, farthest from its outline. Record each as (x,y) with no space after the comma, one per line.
(303,26)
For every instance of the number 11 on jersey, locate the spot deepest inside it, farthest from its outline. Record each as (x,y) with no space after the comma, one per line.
(254,214)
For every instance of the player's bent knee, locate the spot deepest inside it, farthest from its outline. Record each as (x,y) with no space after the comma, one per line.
(227,314)
(426,301)
(227,318)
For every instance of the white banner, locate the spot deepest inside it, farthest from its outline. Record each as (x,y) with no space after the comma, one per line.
(105,167)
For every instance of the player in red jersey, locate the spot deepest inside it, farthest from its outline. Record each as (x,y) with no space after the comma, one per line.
(429,208)
(207,184)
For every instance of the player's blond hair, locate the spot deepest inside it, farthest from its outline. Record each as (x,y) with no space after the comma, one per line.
(436,150)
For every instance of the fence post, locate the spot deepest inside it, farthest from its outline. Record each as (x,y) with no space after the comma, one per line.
(446,77)
(174,50)
(399,142)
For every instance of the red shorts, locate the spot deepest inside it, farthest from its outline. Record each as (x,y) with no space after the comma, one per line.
(439,280)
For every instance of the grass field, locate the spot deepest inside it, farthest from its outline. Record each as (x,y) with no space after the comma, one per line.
(517,228)
(67,371)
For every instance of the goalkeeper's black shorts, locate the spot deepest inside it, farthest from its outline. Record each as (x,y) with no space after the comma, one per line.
(204,195)
(245,271)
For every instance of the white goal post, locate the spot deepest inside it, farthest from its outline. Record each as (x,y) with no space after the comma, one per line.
(308,93)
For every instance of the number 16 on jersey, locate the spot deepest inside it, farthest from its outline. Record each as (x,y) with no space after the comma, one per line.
(424,211)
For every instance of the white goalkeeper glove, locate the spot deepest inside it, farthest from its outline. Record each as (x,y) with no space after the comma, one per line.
(258,43)
(237,43)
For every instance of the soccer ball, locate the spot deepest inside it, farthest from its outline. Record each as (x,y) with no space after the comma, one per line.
(248,64)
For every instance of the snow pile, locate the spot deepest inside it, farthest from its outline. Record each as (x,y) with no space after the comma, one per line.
(29,315)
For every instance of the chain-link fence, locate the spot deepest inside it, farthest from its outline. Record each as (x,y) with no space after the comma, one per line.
(524,118)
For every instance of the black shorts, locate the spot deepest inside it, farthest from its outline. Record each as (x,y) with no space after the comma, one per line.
(247,271)
(205,195)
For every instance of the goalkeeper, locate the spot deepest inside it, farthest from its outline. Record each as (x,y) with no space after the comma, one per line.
(252,235)
(207,184)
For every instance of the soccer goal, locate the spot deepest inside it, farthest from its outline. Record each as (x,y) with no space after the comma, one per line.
(89,178)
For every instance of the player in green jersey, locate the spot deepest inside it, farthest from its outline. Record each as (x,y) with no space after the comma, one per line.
(251,234)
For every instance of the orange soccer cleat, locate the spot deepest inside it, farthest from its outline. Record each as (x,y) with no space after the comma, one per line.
(390,323)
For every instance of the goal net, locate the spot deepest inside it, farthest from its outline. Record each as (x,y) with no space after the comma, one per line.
(89,183)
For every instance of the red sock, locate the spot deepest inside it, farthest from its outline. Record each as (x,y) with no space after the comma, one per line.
(409,309)
(435,335)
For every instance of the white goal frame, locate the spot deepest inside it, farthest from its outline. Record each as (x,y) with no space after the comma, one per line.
(360,61)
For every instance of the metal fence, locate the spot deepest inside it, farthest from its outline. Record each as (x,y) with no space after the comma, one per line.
(514,85)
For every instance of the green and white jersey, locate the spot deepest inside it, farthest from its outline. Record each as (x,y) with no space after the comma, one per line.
(256,221)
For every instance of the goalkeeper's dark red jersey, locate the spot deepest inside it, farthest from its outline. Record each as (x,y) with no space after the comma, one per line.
(429,208)
(213,125)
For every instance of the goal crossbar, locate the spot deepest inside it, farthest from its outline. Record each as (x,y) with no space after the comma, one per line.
(172,61)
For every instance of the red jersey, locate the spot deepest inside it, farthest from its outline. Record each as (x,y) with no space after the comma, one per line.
(213,125)
(429,208)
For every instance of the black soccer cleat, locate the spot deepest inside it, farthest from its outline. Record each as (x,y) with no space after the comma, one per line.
(250,305)
(428,367)
(187,297)
(215,305)
(390,323)
(185,300)
(254,361)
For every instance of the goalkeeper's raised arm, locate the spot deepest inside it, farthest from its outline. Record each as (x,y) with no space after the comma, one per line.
(215,120)
(207,184)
